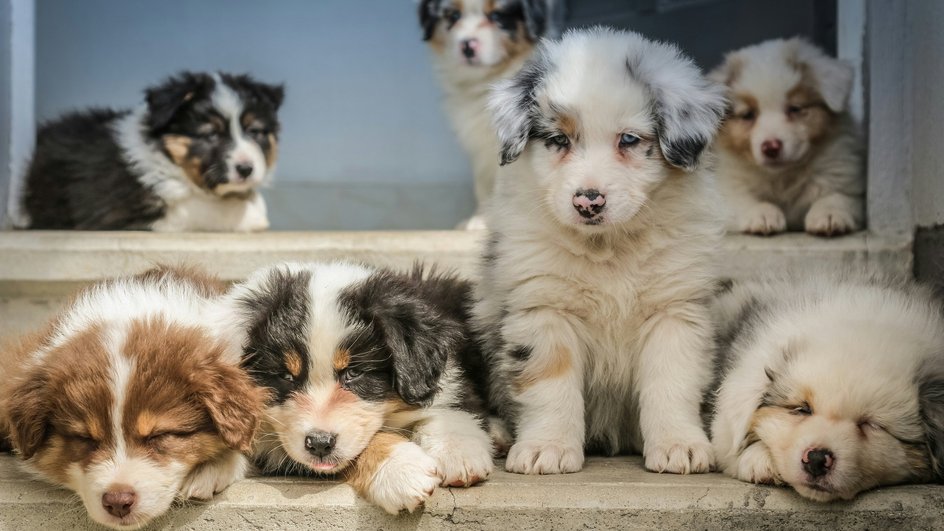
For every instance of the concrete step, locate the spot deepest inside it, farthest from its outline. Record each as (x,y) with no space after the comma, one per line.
(610,493)
(38,269)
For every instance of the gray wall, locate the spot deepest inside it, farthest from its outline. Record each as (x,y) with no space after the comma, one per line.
(17,122)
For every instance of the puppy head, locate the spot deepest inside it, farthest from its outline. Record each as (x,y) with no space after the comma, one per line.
(341,347)
(122,414)
(220,129)
(482,33)
(785,97)
(841,415)
(603,118)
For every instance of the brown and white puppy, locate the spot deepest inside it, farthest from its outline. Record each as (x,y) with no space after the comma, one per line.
(474,44)
(349,352)
(789,156)
(128,400)
(831,384)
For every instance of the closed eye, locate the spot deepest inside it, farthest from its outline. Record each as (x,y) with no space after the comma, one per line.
(803,409)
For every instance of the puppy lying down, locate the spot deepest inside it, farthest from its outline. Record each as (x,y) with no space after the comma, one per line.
(831,384)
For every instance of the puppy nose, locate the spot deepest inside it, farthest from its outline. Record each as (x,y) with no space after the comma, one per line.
(589,202)
(118,500)
(771,148)
(469,46)
(817,461)
(320,443)
(244,170)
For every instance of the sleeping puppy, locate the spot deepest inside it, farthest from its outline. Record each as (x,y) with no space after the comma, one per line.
(349,351)
(128,400)
(831,385)
(603,229)
(474,44)
(789,156)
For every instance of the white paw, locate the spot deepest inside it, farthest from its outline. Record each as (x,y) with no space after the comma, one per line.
(476,222)
(539,457)
(828,221)
(764,219)
(679,456)
(405,480)
(464,462)
(213,477)
(756,465)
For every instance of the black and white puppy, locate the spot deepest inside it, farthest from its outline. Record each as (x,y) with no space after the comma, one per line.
(190,159)
(349,352)
(594,284)
(474,44)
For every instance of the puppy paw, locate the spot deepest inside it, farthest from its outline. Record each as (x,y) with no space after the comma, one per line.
(755,465)
(463,462)
(828,221)
(763,219)
(539,457)
(211,478)
(405,480)
(679,456)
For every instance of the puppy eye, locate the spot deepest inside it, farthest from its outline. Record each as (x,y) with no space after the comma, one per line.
(866,424)
(502,20)
(748,116)
(560,141)
(350,375)
(452,16)
(257,131)
(288,377)
(628,140)
(805,409)
(794,110)
(82,438)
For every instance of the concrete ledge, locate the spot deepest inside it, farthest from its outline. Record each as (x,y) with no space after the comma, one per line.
(611,493)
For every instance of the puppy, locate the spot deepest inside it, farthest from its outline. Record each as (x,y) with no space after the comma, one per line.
(831,385)
(789,156)
(349,351)
(128,400)
(191,159)
(593,282)
(474,44)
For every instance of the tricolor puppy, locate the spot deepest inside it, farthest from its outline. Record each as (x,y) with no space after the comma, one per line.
(831,384)
(128,400)
(474,44)
(191,159)
(789,157)
(348,352)
(603,228)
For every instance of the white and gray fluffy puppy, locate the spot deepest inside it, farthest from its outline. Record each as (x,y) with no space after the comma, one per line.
(598,264)
(832,384)
(789,155)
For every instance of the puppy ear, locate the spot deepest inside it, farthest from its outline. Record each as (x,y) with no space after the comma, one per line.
(272,94)
(514,107)
(535,17)
(833,77)
(235,404)
(687,107)
(931,401)
(429,16)
(166,99)
(27,409)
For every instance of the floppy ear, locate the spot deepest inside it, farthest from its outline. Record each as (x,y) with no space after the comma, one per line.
(429,16)
(513,105)
(169,97)
(834,81)
(535,17)
(931,401)
(273,94)
(27,409)
(235,404)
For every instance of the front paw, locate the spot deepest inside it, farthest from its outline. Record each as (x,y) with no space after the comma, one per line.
(464,462)
(678,456)
(540,457)
(829,221)
(405,480)
(763,219)
(211,478)
(756,465)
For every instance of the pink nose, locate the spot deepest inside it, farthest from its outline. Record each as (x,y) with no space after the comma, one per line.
(771,148)
(589,202)
(118,500)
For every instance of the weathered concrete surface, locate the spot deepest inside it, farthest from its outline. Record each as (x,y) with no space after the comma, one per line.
(611,493)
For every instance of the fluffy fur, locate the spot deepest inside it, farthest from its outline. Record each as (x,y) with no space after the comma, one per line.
(831,384)
(599,261)
(347,352)
(474,44)
(191,159)
(128,400)
(789,156)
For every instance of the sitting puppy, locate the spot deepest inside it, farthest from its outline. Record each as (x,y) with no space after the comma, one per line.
(192,159)
(348,351)
(474,44)
(789,157)
(127,399)
(603,229)
(830,385)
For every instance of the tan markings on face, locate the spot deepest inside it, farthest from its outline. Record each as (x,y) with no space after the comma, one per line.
(272,153)
(178,147)
(735,135)
(535,369)
(293,362)
(341,359)
(816,118)
(373,457)
(247,119)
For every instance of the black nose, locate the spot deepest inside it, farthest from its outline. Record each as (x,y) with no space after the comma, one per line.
(589,202)
(468,48)
(320,443)
(817,462)
(244,170)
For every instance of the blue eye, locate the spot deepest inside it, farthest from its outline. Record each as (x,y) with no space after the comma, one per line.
(628,140)
(561,141)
